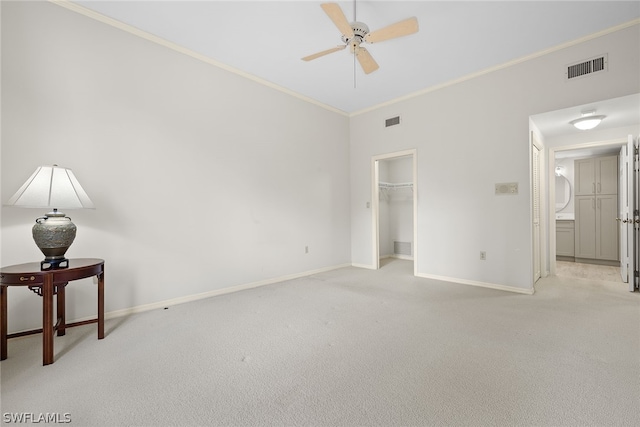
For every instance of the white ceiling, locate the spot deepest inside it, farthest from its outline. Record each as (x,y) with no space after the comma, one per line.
(266,39)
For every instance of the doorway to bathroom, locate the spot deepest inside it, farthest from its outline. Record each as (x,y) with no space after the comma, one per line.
(574,163)
(596,227)
(394,196)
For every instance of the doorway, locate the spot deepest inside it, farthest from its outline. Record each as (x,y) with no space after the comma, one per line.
(566,165)
(394,195)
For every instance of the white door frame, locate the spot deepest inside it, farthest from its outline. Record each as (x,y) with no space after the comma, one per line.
(539,264)
(618,142)
(375,198)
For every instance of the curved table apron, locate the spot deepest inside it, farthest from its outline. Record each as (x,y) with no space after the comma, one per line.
(47,284)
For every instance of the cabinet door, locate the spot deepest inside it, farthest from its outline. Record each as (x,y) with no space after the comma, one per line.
(585,227)
(607,227)
(565,238)
(606,175)
(584,177)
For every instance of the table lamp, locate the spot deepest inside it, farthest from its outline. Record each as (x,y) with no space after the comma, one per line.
(52,187)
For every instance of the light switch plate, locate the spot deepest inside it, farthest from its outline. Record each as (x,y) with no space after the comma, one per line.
(508,188)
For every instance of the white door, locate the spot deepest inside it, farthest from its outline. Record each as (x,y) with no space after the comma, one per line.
(535,158)
(633,223)
(625,211)
(629,218)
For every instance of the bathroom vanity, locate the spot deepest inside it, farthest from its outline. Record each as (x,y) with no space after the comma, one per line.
(565,238)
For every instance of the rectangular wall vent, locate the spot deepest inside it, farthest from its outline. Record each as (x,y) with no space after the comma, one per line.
(587,67)
(402,248)
(392,121)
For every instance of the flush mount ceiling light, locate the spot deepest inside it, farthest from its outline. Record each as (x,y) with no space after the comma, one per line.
(588,120)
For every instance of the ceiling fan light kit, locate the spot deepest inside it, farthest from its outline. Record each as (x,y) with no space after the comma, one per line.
(356,33)
(359,32)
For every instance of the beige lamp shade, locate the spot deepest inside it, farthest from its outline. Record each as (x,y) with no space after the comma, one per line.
(51,187)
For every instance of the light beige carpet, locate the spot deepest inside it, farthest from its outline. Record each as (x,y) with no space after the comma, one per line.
(349,347)
(579,270)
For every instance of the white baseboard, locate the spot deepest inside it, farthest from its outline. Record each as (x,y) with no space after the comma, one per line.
(368,267)
(399,256)
(231,289)
(479,284)
(209,294)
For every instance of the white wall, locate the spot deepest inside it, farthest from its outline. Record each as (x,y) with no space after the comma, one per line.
(202,179)
(470,136)
(595,136)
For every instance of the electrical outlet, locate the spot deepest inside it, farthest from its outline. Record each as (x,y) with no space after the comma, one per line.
(483,255)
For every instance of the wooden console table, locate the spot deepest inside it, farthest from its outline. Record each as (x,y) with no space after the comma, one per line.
(47,284)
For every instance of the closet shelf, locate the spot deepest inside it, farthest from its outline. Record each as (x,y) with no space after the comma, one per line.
(388,188)
(395,186)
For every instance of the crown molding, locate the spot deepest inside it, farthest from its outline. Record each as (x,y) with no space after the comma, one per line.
(180,49)
(175,47)
(499,67)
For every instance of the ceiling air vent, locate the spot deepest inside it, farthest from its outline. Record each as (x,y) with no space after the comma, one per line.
(587,67)
(392,121)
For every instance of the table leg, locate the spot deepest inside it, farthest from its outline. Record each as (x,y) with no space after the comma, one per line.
(47,320)
(61,308)
(101,305)
(3,322)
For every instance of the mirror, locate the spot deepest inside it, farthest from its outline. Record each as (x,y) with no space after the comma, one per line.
(563,192)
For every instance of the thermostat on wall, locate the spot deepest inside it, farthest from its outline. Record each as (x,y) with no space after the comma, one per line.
(507,188)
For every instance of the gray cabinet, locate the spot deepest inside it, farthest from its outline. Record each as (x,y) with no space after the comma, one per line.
(596,208)
(596,175)
(585,227)
(565,239)
(607,227)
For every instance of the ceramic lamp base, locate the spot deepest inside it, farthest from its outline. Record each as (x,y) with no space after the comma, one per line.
(53,234)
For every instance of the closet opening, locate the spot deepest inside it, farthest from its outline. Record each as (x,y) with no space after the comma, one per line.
(394,208)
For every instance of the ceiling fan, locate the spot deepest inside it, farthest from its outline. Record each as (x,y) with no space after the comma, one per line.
(355,33)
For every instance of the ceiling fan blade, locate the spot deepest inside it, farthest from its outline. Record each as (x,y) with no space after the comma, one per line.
(323,53)
(368,64)
(399,29)
(337,16)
